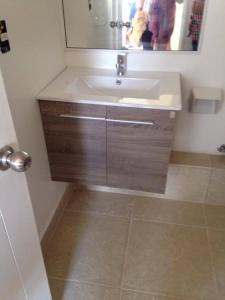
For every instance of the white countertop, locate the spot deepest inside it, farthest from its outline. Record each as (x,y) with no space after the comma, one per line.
(169,94)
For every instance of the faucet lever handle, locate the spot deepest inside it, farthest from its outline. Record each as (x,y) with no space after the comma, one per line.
(121,65)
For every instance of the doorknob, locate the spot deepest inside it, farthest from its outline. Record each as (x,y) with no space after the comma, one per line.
(18,161)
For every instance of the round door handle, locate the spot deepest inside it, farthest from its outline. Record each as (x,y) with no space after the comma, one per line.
(18,161)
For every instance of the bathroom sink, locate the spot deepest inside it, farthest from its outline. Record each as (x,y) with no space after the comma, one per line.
(153,90)
(110,86)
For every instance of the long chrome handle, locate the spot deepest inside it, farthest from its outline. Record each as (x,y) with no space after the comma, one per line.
(82,117)
(151,123)
(18,161)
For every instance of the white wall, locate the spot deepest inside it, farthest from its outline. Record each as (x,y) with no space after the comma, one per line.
(37,56)
(195,133)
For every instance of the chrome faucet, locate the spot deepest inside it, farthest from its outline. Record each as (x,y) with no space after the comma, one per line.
(121,65)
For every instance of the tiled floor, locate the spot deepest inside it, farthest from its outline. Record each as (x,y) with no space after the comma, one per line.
(196,178)
(118,247)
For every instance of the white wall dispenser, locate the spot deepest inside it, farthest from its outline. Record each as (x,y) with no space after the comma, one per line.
(205,100)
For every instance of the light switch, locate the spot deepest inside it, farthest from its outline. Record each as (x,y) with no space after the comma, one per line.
(4,41)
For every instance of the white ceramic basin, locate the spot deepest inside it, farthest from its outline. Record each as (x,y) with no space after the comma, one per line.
(115,87)
(154,90)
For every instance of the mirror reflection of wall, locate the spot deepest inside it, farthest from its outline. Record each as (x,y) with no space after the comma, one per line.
(161,25)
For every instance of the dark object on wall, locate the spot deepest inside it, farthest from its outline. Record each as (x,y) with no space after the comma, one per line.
(221,149)
(4,42)
(89,5)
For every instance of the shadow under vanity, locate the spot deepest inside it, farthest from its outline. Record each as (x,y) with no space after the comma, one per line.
(91,141)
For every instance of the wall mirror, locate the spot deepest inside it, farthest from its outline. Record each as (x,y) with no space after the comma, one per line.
(152,25)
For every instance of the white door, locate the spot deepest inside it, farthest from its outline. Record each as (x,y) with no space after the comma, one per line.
(22,272)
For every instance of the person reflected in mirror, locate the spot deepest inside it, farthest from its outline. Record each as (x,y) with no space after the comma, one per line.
(139,35)
(139,24)
(162,15)
(146,37)
(195,23)
(146,40)
(132,9)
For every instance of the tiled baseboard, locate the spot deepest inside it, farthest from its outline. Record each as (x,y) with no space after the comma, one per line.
(56,217)
(198,159)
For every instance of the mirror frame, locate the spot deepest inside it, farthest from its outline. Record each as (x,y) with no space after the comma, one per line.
(202,34)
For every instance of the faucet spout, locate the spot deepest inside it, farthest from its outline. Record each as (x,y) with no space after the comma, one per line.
(121,65)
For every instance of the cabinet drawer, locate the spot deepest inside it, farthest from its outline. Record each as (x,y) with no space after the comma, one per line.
(57,108)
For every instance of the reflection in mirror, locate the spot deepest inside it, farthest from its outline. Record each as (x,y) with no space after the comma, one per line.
(134,24)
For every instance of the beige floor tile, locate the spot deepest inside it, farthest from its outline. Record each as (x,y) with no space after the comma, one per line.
(217,241)
(170,211)
(215,216)
(169,259)
(188,158)
(101,202)
(216,188)
(67,290)
(88,247)
(218,161)
(187,183)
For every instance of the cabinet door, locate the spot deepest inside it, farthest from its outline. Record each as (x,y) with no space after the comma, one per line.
(138,148)
(76,141)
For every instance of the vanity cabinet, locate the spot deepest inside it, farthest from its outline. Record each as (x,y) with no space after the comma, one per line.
(139,144)
(120,147)
(75,136)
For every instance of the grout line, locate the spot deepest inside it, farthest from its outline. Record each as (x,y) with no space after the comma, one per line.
(215,228)
(190,166)
(211,256)
(95,213)
(158,294)
(126,250)
(139,219)
(207,187)
(84,282)
(169,223)
(120,288)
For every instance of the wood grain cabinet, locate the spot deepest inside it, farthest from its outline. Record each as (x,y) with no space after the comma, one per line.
(116,146)
(76,141)
(138,148)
